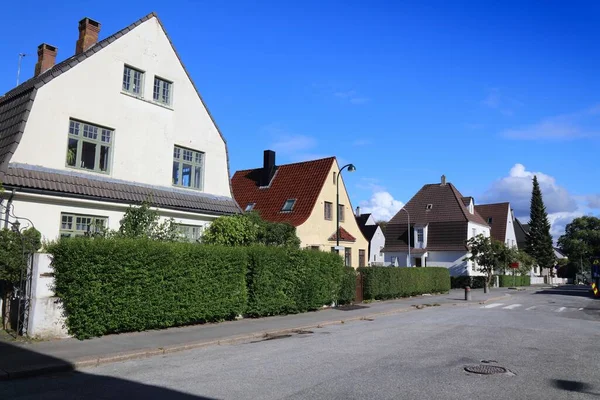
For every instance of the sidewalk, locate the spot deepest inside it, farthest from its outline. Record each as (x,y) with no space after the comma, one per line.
(31,359)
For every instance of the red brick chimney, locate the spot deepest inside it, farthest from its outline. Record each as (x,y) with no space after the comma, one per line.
(46,58)
(88,34)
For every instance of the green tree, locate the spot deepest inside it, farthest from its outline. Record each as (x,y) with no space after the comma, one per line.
(144,222)
(581,242)
(489,255)
(539,240)
(382,224)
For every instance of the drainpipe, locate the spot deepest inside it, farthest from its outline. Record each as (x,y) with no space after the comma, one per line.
(8,206)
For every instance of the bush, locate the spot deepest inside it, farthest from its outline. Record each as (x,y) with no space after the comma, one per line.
(387,282)
(348,288)
(517,280)
(120,285)
(283,281)
(474,282)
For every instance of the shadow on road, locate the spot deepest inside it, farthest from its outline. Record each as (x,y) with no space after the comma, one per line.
(574,386)
(569,290)
(60,381)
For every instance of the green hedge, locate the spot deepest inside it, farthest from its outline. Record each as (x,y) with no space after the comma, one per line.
(119,285)
(517,280)
(474,282)
(348,289)
(388,283)
(283,281)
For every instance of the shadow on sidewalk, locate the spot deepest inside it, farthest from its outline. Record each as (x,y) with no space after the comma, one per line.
(60,381)
(570,290)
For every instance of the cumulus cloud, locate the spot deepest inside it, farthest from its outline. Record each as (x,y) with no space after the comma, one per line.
(382,205)
(593,201)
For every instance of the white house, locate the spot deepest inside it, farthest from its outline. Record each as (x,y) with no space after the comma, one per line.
(442,220)
(502,221)
(118,123)
(373,233)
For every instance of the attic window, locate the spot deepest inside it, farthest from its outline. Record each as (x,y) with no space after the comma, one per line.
(250,207)
(429,206)
(489,220)
(288,205)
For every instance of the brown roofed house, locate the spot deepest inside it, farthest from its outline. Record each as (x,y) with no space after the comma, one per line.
(442,220)
(304,195)
(117,123)
(501,219)
(373,233)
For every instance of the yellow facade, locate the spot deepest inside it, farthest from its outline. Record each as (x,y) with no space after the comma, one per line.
(316,230)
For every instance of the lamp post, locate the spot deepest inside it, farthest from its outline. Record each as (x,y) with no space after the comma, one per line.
(351,168)
(407,213)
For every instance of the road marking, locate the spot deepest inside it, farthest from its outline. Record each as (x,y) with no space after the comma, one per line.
(581,309)
(561,309)
(493,305)
(530,308)
(512,307)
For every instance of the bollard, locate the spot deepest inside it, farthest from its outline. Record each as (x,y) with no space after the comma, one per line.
(486,288)
(467,293)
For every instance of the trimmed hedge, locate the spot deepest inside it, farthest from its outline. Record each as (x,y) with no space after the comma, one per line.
(381,283)
(120,285)
(517,280)
(474,282)
(348,289)
(284,281)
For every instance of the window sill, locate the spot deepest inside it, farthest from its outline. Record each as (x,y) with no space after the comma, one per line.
(133,96)
(191,189)
(91,171)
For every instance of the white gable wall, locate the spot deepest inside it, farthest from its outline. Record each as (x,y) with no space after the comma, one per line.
(377,242)
(144,132)
(511,236)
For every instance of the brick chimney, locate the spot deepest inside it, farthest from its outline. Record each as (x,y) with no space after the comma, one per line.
(88,34)
(46,58)
(443,180)
(358,211)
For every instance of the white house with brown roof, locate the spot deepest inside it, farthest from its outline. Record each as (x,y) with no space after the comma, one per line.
(502,221)
(117,123)
(442,220)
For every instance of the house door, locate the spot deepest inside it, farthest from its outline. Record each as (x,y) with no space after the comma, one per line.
(418,262)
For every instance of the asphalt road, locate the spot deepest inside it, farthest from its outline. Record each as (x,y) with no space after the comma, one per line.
(549,343)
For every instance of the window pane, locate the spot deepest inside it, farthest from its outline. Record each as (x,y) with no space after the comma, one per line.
(187,155)
(106,134)
(186,175)
(137,82)
(88,155)
(176,152)
(198,177)
(74,128)
(104,157)
(126,78)
(156,89)
(72,152)
(175,173)
(166,92)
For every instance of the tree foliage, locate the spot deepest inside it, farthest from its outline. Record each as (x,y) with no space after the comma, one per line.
(144,222)
(15,248)
(489,255)
(581,242)
(539,240)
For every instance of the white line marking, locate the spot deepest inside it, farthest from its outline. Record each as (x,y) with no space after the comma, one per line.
(581,309)
(530,308)
(493,305)
(512,307)
(561,309)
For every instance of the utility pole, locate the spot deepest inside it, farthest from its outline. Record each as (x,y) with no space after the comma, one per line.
(21,55)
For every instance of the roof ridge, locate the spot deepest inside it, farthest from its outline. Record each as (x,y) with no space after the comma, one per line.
(459,200)
(286,165)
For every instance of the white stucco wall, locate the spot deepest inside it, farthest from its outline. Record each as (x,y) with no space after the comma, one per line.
(45,212)
(377,242)
(144,132)
(511,236)
(479,229)
(453,260)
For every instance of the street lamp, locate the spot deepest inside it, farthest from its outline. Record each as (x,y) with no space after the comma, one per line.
(405,210)
(351,168)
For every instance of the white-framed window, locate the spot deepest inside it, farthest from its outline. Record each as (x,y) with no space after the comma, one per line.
(163,91)
(249,207)
(328,210)
(133,80)
(420,238)
(89,146)
(288,205)
(474,232)
(81,225)
(190,233)
(188,168)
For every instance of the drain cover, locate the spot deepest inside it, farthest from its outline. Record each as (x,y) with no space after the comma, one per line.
(486,369)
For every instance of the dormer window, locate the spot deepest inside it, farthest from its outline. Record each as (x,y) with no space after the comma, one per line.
(490,220)
(288,205)
(249,207)
(471,208)
(429,206)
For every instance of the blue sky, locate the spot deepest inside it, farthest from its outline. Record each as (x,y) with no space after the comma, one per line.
(406,91)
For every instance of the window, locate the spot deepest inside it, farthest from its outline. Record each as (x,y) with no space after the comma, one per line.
(429,206)
(333,250)
(361,258)
(328,210)
(315,248)
(489,220)
(188,168)
(250,207)
(162,91)
(133,80)
(288,205)
(190,233)
(334,178)
(81,225)
(420,235)
(347,256)
(89,146)
(341,212)
(474,232)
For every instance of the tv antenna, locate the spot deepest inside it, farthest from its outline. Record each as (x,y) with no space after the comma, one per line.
(21,55)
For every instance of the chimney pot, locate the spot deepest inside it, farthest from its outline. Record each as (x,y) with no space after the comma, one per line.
(46,58)
(443,180)
(358,211)
(268,168)
(88,34)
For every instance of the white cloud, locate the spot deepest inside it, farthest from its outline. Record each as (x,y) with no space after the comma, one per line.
(593,200)
(292,147)
(581,124)
(382,205)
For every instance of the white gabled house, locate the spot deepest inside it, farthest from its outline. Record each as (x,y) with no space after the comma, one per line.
(374,235)
(118,123)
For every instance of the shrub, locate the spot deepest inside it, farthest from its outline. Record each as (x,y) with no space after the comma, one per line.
(474,282)
(282,281)
(348,288)
(388,282)
(517,280)
(119,285)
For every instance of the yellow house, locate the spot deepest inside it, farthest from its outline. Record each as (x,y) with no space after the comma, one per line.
(304,195)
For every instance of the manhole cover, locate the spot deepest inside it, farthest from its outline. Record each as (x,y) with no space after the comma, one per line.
(486,369)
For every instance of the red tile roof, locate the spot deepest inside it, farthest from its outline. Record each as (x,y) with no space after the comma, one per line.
(300,181)
(345,236)
(499,216)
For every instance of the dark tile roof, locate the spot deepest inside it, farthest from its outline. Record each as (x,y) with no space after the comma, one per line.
(467,200)
(521,233)
(16,104)
(301,181)
(80,185)
(498,213)
(368,231)
(447,217)
(345,236)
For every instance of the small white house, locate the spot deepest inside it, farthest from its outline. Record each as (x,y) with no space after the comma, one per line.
(373,233)
(442,220)
(117,123)
(502,221)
